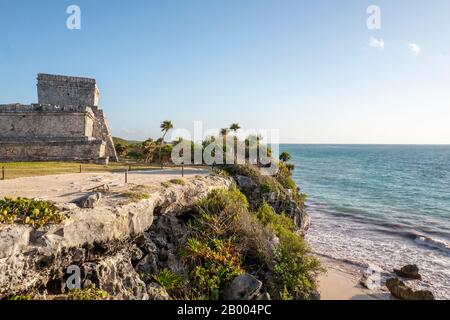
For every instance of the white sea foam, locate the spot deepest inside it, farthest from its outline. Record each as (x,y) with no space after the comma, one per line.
(344,239)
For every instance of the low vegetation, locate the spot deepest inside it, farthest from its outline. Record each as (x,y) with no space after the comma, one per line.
(228,240)
(178,181)
(87,294)
(37,213)
(136,196)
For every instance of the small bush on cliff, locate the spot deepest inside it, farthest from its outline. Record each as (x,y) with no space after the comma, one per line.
(21,297)
(295,272)
(173,283)
(215,263)
(178,181)
(37,213)
(227,237)
(87,294)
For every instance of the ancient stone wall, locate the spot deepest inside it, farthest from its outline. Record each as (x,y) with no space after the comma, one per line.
(67,91)
(45,122)
(101,131)
(66,124)
(52,150)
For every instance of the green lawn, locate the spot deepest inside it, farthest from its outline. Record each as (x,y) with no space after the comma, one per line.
(29,169)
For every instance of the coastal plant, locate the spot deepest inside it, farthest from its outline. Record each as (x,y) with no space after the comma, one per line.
(21,297)
(227,241)
(135,196)
(173,283)
(87,294)
(294,274)
(36,213)
(178,181)
(214,262)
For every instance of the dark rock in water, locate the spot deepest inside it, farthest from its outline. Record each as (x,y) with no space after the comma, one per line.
(89,201)
(401,291)
(244,287)
(410,271)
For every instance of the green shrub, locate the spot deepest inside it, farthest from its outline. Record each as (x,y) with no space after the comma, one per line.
(21,297)
(173,283)
(165,184)
(215,263)
(246,170)
(178,181)
(274,221)
(294,275)
(296,271)
(225,233)
(221,173)
(87,294)
(37,213)
(136,196)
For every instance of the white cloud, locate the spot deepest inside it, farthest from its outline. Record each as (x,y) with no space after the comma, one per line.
(376,43)
(414,47)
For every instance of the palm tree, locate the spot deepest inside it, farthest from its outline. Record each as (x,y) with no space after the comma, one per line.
(285,157)
(235,127)
(166,126)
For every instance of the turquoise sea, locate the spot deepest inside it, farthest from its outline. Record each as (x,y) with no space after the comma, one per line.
(381,205)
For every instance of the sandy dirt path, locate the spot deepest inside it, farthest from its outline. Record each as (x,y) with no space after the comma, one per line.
(68,187)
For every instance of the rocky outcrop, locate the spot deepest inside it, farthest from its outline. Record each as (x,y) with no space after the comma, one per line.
(109,243)
(282,200)
(244,287)
(410,271)
(401,291)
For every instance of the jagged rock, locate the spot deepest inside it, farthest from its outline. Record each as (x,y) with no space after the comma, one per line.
(89,201)
(117,276)
(145,243)
(147,265)
(371,277)
(401,291)
(157,292)
(410,271)
(136,254)
(245,182)
(243,287)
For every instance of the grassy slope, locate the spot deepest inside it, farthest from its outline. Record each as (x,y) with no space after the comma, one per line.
(125,142)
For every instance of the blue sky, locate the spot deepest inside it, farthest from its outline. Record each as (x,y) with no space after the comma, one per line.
(306,68)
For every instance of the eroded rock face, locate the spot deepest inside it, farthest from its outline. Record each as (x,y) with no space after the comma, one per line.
(106,242)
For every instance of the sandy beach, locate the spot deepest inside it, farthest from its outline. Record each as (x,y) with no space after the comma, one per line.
(341,282)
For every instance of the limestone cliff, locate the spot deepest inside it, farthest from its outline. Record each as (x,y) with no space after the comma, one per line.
(100,240)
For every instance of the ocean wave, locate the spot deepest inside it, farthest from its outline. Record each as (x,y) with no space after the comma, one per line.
(433,243)
(422,235)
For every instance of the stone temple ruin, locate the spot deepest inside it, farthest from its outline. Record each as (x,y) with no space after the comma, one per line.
(65,125)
